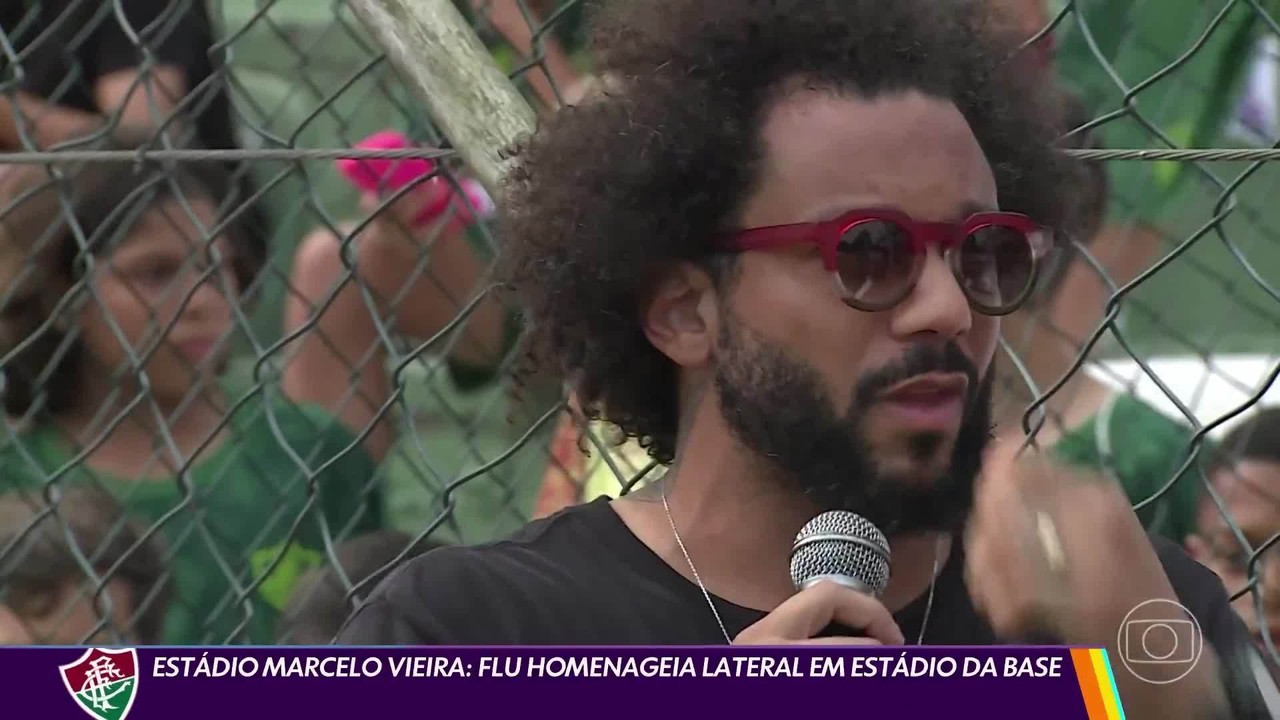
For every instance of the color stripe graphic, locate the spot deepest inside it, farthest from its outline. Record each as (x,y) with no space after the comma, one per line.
(1097,684)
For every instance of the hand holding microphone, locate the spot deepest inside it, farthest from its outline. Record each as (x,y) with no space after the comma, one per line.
(840,565)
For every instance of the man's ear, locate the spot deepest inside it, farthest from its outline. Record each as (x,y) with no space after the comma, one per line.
(681,315)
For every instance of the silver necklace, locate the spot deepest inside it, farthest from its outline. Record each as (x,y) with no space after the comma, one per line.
(928,607)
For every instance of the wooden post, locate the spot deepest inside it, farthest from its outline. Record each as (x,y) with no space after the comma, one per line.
(456,78)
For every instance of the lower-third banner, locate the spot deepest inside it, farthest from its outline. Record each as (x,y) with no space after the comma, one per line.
(218,683)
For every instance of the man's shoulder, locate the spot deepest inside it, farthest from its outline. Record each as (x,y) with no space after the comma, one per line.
(481,594)
(525,561)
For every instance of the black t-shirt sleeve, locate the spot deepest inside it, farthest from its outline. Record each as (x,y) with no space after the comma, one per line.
(380,622)
(454,595)
(399,612)
(174,32)
(1202,592)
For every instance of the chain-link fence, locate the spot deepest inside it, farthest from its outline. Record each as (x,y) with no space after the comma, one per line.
(329,383)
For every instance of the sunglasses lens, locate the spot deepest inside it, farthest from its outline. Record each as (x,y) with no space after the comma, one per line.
(996,266)
(876,264)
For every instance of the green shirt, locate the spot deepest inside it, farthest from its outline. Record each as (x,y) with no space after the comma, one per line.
(1144,451)
(236,517)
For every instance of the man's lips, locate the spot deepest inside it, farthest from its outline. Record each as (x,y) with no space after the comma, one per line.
(932,401)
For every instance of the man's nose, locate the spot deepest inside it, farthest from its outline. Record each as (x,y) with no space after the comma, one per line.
(937,306)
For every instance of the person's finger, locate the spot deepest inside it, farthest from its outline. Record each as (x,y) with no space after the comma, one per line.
(810,611)
(847,641)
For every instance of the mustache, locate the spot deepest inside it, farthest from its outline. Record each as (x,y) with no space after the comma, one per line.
(919,359)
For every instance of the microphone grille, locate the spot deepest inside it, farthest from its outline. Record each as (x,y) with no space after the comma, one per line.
(841,545)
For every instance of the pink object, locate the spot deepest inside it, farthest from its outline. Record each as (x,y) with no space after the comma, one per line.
(378,175)
(375,174)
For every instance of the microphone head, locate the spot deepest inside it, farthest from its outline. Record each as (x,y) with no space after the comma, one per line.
(841,547)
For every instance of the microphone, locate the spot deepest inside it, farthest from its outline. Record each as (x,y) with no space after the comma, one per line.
(841,547)
(845,548)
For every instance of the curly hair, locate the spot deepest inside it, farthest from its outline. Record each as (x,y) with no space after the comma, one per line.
(44,211)
(612,190)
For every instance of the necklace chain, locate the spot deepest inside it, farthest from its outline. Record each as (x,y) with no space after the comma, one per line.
(697,578)
(928,608)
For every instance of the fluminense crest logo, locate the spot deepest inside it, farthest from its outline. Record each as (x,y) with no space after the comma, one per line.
(103,682)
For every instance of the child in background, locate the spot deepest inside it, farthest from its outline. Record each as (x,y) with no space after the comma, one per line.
(49,599)
(359,290)
(116,384)
(339,362)
(1246,476)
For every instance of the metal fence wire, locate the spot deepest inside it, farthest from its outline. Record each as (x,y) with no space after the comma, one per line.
(242,379)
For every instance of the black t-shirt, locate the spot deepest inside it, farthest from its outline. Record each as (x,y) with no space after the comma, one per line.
(581,577)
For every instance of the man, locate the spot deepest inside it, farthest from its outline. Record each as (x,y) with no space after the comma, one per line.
(50,599)
(777,254)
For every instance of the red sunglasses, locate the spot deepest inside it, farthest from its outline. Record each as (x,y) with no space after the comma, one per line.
(877,255)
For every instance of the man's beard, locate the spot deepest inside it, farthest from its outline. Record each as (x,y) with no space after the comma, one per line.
(779,408)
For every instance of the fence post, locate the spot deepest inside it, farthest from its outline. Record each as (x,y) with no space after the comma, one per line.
(455,76)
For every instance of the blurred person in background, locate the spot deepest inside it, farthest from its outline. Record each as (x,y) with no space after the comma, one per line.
(79,73)
(321,601)
(1246,478)
(116,377)
(1086,422)
(415,257)
(46,595)
(408,277)
(560,79)
(410,270)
